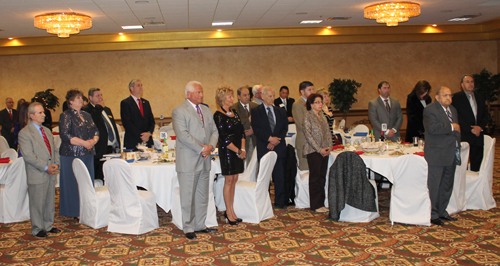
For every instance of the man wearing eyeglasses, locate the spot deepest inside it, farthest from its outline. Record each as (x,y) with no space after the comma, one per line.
(7,118)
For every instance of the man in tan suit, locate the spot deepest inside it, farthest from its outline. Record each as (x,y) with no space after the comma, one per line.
(42,165)
(299,110)
(243,107)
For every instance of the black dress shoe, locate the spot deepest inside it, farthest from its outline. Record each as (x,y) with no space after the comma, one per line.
(41,234)
(54,230)
(206,231)
(437,221)
(191,235)
(281,207)
(448,218)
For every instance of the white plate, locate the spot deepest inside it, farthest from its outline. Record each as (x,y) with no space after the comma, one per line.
(371,154)
(112,155)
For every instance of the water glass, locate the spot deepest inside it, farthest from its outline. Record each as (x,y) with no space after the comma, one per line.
(398,140)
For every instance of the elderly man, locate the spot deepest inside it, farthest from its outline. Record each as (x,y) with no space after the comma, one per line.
(243,107)
(270,125)
(299,110)
(442,150)
(137,117)
(472,117)
(285,102)
(105,123)
(7,119)
(42,165)
(385,110)
(196,138)
(257,93)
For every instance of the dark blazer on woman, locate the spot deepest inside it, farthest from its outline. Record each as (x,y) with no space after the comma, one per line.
(415,112)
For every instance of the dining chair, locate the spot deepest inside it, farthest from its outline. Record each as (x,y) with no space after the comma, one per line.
(55,129)
(252,201)
(361,129)
(14,201)
(458,201)
(4,145)
(95,203)
(132,211)
(302,199)
(292,128)
(11,153)
(479,185)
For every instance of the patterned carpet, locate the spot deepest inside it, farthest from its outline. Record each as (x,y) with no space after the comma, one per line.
(293,237)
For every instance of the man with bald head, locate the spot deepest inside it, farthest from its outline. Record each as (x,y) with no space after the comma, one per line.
(7,119)
(442,152)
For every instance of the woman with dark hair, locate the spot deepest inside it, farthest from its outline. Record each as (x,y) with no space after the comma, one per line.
(78,138)
(21,121)
(317,146)
(417,100)
(19,102)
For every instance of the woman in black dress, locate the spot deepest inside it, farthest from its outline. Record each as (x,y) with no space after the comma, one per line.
(328,111)
(231,138)
(417,100)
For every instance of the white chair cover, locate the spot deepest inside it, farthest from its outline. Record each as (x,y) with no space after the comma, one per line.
(294,137)
(250,172)
(4,145)
(157,144)
(342,123)
(14,202)
(302,199)
(132,211)
(479,185)
(292,128)
(351,214)
(252,201)
(11,153)
(55,129)
(119,128)
(95,203)
(410,201)
(458,202)
(166,129)
(361,129)
(211,220)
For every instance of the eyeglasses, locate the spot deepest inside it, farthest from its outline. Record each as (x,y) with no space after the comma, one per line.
(317,102)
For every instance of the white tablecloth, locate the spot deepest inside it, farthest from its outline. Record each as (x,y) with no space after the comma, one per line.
(4,168)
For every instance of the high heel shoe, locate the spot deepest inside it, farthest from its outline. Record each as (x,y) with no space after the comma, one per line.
(229,221)
(239,220)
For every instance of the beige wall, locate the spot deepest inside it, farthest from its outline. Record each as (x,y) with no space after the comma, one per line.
(164,73)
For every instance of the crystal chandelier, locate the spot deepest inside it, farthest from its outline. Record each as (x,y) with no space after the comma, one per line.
(392,13)
(63,24)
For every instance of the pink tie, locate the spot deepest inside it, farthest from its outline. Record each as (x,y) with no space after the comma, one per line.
(200,114)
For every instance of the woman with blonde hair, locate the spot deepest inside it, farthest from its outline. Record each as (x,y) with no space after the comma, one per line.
(231,147)
(327,110)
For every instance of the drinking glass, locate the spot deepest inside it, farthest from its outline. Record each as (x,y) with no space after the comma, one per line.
(398,140)
(347,144)
(382,148)
(364,140)
(356,145)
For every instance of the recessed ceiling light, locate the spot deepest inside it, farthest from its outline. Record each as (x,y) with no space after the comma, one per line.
(222,23)
(459,19)
(219,30)
(133,27)
(142,2)
(120,33)
(10,38)
(311,21)
(434,25)
(329,27)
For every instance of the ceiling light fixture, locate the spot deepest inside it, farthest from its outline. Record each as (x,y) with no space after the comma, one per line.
(311,21)
(222,23)
(329,27)
(434,25)
(120,33)
(63,24)
(459,19)
(392,13)
(10,38)
(219,30)
(133,27)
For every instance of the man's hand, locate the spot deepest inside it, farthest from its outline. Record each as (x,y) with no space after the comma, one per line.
(249,132)
(274,140)
(270,146)
(207,149)
(476,130)
(145,136)
(456,127)
(390,133)
(53,169)
(290,119)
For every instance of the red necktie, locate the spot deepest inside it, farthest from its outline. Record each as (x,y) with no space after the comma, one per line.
(10,114)
(140,107)
(46,141)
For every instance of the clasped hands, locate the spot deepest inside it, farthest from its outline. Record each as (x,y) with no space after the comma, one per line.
(52,169)
(476,130)
(207,150)
(273,142)
(325,151)
(88,144)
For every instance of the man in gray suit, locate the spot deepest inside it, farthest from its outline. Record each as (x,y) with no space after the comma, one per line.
(196,138)
(42,165)
(385,110)
(243,107)
(442,140)
(299,110)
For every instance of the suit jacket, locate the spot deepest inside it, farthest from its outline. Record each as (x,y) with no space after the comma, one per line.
(299,111)
(262,130)
(317,133)
(35,153)
(7,124)
(191,134)
(96,113)
(134,123)
(415,114)
(378,115)
(440,140)
(245,119)
(289,104)
(466,117)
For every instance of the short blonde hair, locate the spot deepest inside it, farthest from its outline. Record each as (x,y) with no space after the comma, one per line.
(221,94)
(322,92)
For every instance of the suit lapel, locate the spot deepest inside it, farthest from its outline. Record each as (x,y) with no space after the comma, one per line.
(37,136)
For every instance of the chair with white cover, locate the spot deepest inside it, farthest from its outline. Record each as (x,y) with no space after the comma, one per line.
(95,203)
(342,124)
(302,199)
(14,202)
(292,128)
(294,137)
(479,185)
(410,201)
(458,201)
(4,145)
(361,129)
(11,153)
(55,129)
(252,201)
(132,211)
(165,128)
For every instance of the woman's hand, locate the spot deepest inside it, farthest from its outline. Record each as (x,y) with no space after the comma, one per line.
(325,152)
(88,144)
(242,155)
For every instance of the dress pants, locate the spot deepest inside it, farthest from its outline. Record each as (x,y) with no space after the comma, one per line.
(279,182)
(42,205)
(193,188)
(475,157)
(317,178)
(440,183)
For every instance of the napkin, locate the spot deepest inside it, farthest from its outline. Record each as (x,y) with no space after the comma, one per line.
(359,152)
(337,147)
(360,134)
(173,137)
(421,153)
(290,134)
(55,133)
(130,161)
(5,160)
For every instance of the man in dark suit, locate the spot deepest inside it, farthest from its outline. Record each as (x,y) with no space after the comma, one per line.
(243,107)
(472,117)
(270,125)
(7,119)
(442,140)
(285,102)
(105,123)
(385,110)
(137,117)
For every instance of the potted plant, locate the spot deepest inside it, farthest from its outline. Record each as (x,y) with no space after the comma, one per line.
(342,94)
(488,85)
(50,99)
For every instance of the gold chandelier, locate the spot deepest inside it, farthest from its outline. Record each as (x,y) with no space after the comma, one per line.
(63,24)
(392,13)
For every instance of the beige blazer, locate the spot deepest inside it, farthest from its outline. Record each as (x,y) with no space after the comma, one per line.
(299,111)
(317,133)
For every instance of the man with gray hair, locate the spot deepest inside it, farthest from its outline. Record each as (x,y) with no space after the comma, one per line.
(7,120)
(137,117)
(257,93)
(243,107)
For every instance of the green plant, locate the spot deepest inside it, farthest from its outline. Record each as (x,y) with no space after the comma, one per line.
(342,93)
(488,85)
(50,99)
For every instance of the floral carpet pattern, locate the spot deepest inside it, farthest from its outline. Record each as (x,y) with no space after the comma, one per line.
(292,237)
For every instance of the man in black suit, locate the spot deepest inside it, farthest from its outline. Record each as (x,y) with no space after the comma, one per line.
(270,125)
(7,119)
(286,103)
(109,138)
(442,141)
(472,117)
(137,117)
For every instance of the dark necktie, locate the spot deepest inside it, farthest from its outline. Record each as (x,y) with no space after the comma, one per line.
(270,118)
(46,140)
(449,115)
(111,136)
(387,105)
(200,114)
(140,107)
